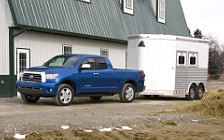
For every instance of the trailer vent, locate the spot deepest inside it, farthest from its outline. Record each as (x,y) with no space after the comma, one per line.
(31,77)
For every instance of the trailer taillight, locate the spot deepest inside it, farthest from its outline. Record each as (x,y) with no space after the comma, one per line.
(143,74)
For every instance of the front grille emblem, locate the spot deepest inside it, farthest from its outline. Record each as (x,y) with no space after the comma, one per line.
(31,77)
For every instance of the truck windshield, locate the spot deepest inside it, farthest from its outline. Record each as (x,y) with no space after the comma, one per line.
(63,61)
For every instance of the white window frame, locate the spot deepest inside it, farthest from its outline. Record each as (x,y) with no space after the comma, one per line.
(128,9)
(63,48)
(86,1)
(161,10)
(182,53)
(102,52)
(195,54)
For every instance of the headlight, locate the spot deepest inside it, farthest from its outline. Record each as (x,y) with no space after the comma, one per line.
(51,76)
(20,76)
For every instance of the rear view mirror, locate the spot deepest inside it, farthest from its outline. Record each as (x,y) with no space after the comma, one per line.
(85,66)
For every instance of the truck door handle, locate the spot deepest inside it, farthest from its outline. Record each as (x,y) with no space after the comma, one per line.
(96,73)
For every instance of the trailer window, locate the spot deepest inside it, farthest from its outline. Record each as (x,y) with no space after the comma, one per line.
(193,58)
(181,58)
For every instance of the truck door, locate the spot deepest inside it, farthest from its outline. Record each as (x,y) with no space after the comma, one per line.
(98,79)
(104,77)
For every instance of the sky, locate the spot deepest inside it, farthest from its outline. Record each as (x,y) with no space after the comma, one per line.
(206,15)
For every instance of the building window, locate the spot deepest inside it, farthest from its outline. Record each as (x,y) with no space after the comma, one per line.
(161,11)
(66,49)
(181,58)
(104,52)
(128,6)
(193,58)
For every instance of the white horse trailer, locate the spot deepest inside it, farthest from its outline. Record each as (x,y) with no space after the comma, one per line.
(174,65)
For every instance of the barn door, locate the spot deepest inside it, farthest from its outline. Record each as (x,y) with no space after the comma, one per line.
(23,60)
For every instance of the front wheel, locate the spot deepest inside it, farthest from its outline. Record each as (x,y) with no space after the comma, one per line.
(64,95)
(128,93)
(29,99)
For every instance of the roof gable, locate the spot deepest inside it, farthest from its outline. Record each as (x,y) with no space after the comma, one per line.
(100,18)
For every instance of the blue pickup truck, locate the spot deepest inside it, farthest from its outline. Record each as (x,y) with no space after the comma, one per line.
(66,76)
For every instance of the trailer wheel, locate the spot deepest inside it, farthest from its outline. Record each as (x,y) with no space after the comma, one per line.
(200,92)
(95,98)
(64,95)
(192,93)
(29,99)
(128,93)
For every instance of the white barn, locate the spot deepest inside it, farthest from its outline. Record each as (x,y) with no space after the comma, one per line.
(32,31)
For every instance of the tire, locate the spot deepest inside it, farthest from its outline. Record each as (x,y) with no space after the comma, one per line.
(192,93)
(128,93)
(95,98)
(64,95)
(29,99)
(200,92)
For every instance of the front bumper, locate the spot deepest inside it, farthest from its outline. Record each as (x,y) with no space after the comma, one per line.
(37,89)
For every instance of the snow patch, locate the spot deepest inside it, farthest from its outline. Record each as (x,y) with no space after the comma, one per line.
(18,136)
(126,128)
(105,129)
(88,131)
(65,127)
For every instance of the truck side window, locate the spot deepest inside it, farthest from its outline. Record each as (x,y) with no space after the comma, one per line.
(101,64)
(90,61)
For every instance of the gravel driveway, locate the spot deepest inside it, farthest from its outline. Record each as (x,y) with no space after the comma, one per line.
(17,117)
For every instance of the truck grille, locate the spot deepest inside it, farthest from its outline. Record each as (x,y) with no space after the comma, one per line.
(31,77)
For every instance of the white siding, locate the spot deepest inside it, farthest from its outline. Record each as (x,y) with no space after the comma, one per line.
(5,22)
(43,46)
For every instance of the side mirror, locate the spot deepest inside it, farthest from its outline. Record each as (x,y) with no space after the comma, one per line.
(85,66)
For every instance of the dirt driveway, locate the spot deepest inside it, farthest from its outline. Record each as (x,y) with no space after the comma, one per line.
(17,117)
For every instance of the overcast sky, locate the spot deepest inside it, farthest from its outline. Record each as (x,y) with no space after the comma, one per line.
(207,15)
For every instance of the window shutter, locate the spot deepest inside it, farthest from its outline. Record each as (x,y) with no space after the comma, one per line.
(128,6)
(161,11)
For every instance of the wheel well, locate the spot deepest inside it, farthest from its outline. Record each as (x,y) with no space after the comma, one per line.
(72,84)
(131,82)
(193,84)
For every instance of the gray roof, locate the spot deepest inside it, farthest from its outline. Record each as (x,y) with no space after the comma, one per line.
(103,19)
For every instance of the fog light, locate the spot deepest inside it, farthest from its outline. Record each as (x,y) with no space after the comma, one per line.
(49,90)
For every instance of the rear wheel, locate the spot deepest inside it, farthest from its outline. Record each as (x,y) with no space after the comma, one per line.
(29,99)
(64,95)
(200,92)
(128,93)
(95,98)
(192,93)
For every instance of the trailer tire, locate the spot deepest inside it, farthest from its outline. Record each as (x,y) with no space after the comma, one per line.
(200,92)
(128,93)
(64,95)
(95,98)
(29,99)
(192,92)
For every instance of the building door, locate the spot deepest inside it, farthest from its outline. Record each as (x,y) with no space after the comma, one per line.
(23,60)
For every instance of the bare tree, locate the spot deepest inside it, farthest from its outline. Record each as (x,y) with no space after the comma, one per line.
(216,56)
